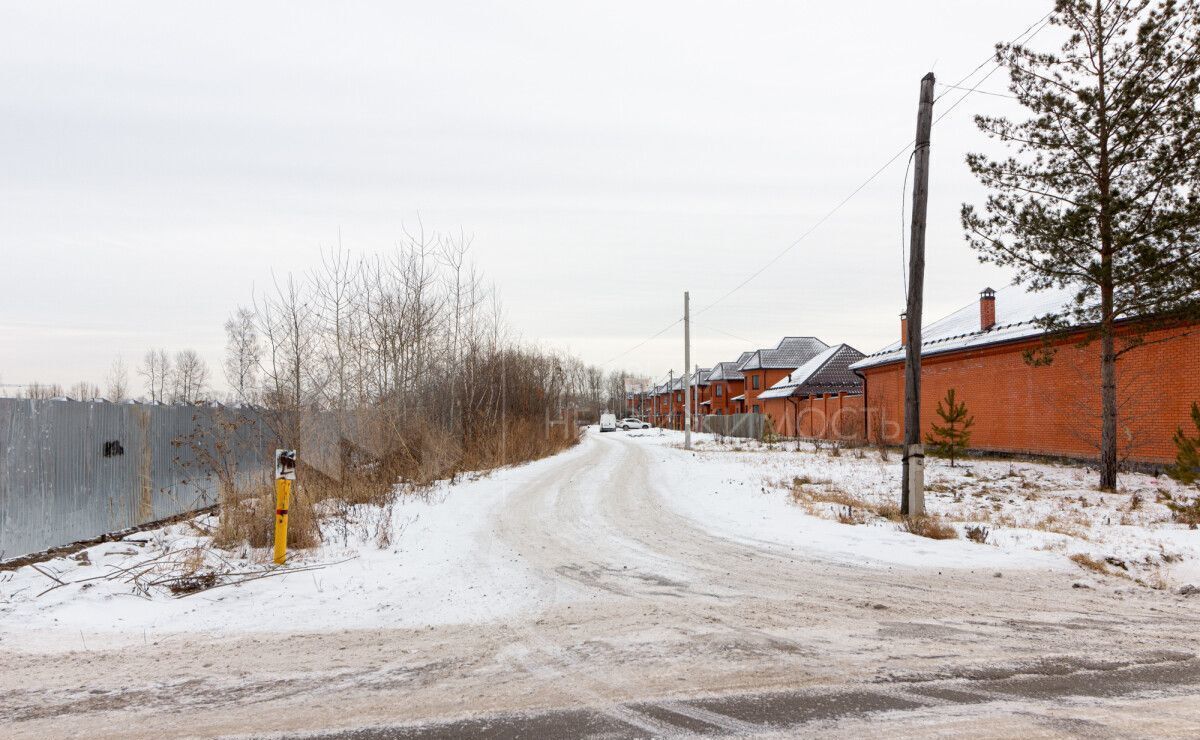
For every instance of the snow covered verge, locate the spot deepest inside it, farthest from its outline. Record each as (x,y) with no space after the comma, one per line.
(425,561)
(443,558)
(1036,514)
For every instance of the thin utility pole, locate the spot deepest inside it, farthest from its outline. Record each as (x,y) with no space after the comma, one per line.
(671,399)
(687,363)
(912,497)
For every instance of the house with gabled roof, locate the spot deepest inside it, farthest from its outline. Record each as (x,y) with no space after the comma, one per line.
(994,352)
(765,367)
(725,383)
(699,390)
(821,399)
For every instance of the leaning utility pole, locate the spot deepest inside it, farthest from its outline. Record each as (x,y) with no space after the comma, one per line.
(687,362)
(912,497)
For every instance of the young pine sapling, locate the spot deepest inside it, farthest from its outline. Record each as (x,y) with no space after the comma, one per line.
(954,434)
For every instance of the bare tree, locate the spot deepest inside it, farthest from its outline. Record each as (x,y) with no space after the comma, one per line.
(191,377)
(84,391)
(242,355)
(42,391)
(155,372)
(118,380)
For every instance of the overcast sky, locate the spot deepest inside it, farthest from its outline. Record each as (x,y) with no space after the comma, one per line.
(158,160)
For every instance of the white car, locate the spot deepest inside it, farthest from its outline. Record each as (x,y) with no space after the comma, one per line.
(608,422)
(632,423)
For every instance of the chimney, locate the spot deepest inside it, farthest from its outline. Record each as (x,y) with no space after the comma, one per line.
(904,329)
(987,309)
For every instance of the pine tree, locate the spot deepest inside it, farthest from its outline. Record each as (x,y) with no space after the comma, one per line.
(952,438)
(1099,193)
(1186,469)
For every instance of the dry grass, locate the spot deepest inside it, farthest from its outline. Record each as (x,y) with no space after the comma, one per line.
(425,456)
(249,518)
(817,496)
(928,526)
(978,533)
(1185,512)
(1087,562)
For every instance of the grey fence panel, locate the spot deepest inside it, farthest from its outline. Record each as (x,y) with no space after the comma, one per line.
(749,426)
(73,470)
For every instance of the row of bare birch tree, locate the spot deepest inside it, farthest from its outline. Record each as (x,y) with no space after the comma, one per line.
(409,351)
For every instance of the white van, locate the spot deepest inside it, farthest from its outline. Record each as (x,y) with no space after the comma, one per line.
(608,422)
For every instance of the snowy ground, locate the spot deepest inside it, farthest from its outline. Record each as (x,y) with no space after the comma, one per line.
(428,574)
(433,571)
(1027,508)
(625,571)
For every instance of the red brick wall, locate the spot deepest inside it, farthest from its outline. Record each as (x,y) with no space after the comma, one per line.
(1053,409)
(826,417)
(766,379)
(732,388)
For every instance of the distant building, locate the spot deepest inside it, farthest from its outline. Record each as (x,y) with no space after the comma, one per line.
(820,399)
(765,367)
(725,383)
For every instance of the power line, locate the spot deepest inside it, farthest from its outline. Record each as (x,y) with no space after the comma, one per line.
(1038,24)
(903,256)
(992,57)
(645,341)
(722,331)
(981,92)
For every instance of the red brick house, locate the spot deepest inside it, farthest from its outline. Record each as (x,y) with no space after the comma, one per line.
(765,367)
(822,399)
(725,383)
(1027,408)
(699,390)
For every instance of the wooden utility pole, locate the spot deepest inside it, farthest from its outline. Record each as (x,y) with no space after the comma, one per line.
(912,496)
(687,363)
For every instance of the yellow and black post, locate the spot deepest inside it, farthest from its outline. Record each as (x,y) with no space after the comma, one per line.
(285,473)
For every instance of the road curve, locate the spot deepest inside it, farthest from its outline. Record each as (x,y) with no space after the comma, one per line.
(657,626)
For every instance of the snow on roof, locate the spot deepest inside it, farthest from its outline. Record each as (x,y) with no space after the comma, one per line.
(739,398)
(700,377)
(824,372)
(727,371)
(790,353)
(1017,314)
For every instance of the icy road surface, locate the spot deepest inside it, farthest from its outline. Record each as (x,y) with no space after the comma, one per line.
(622,589)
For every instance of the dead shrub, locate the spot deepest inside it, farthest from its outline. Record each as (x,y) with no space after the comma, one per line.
(928,526)
(1083,560)
(889,511)
(249,518)
(848,515)
(978,533)
(1185,512)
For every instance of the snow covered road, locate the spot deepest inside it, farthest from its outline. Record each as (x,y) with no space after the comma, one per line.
(625,588)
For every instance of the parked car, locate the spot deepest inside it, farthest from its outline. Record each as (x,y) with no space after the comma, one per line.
(632,423)
(608,422)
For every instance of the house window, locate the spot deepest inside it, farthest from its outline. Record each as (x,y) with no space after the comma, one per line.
(719,390)
(754,384)
(756,408)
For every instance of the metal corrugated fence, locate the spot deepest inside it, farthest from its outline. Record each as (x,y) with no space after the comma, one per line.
(749,426)
(73,470)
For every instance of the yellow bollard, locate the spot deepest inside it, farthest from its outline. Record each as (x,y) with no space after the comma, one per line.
(285,473)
